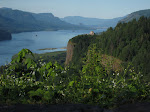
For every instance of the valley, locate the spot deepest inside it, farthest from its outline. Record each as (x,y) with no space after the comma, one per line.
(53,61)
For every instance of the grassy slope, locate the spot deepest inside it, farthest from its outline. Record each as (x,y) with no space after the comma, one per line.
(59,56)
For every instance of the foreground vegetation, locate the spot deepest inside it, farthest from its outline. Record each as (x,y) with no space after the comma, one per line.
(59,56)
(26,81)
(89,78)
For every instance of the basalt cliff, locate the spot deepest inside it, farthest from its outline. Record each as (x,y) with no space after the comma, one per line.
(70,48)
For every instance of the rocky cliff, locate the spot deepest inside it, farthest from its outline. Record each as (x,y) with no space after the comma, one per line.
(70,48)
(4,35)
(77,49)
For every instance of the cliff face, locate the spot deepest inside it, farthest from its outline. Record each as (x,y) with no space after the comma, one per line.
(77,50)
(5,35)
(70,48)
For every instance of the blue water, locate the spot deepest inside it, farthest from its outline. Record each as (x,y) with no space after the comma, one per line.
(37,40)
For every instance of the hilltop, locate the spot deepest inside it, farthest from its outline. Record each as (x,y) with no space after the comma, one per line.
(136,15)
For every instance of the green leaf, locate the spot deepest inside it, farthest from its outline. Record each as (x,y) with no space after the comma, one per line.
(71,83)
(23,54)
(133,89)
(53,74)
(29,65)
(47,66)
(27,61)
(18,59)
(96,90)
(48,95)
(97,68)
(49,72)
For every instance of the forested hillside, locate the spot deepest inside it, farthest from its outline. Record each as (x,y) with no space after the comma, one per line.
(130,42)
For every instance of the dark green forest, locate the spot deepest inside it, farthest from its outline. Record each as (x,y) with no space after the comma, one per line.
(129,42)
(88,79)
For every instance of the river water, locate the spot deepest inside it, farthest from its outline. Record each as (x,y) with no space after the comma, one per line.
(37,40)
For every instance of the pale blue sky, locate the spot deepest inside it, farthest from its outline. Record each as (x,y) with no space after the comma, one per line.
(87,8)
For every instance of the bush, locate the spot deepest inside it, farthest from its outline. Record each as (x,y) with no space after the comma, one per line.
(25,81)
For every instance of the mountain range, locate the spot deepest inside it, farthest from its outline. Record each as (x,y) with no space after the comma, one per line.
(92,22)
(15,21)
(21,21)
(105,23)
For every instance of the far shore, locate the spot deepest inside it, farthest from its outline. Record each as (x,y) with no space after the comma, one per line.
(53,48)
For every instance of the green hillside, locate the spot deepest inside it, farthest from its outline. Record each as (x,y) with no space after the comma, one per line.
(136,15)
(130,42)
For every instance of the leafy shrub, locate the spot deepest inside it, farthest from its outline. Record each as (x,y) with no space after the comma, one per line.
(25,81)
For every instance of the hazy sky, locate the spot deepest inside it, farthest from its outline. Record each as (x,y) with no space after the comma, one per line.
(87,8)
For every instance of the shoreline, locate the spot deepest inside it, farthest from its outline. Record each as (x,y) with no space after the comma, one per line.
(52,48)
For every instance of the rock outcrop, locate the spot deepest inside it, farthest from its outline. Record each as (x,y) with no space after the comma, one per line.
(70,48)
(4,35)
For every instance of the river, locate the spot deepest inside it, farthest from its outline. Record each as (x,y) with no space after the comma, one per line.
(37,40)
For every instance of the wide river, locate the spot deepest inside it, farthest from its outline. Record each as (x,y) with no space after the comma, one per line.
(37,40)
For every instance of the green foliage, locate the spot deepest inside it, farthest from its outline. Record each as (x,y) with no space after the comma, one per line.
(93,64)
(25,81)
(23,78)
(82,42)
(129,42)
(59,56)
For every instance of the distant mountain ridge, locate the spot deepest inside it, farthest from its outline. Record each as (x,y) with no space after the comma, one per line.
(21,21)
(92,22)
(136,15)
